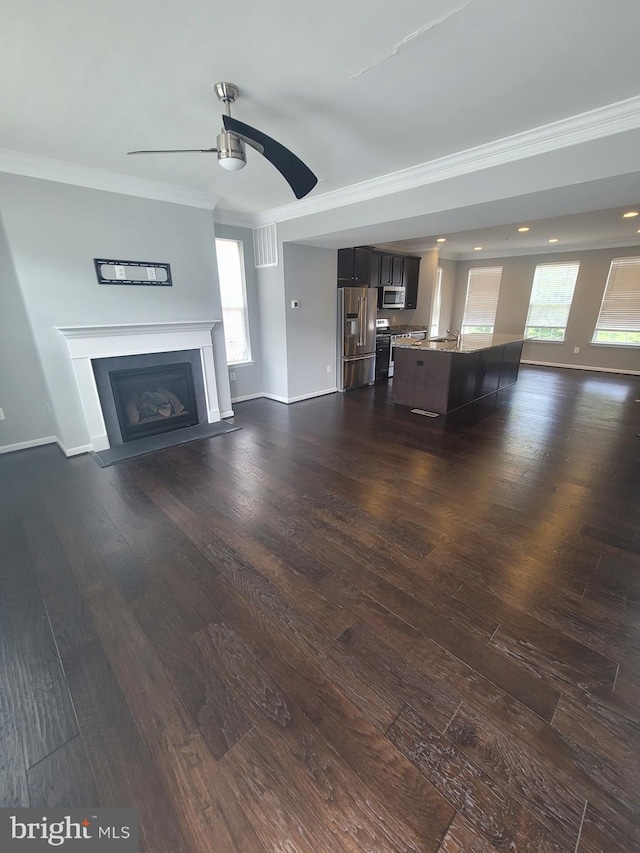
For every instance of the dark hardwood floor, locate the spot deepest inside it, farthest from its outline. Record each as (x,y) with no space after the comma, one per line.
(343,629)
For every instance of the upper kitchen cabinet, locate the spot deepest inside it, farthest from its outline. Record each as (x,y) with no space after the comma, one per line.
(374,272)
(410,273)
(354,267)
(391,269)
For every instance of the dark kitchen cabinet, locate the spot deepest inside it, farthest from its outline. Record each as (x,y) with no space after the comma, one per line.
(410,273)
(354,267)
(385,269)
(397,267)
(374,269)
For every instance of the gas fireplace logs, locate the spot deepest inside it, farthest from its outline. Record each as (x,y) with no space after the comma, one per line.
(152,405)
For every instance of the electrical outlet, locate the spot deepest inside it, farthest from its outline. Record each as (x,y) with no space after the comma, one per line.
(328,368)
(295,303)
(1,414)
(232,376)
(48,408)
(576,349)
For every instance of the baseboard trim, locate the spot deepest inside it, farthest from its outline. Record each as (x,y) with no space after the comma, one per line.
(25,445)
(300,397)
(243,397)
(74,451)
(581,367)
(323,393)
(228,414)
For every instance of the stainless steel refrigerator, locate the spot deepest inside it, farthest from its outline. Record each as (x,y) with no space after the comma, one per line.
(357,308)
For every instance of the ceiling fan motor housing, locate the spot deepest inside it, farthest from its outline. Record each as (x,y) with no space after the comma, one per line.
(231,153)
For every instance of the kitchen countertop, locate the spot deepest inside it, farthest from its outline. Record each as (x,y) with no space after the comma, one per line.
(468,343)
(400,330)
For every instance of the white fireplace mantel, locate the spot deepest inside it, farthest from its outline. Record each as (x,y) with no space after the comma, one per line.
(88,342)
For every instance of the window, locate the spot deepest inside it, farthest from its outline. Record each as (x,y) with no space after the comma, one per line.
(436,304)
(551,297)
(619,317)
(234,300)
(483,290)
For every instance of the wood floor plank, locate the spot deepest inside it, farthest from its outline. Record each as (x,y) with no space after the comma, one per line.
(352,808)
(63,779)
(122,768)
(70,620)
(208,813)
(33,669)
(492,810)
(462,838)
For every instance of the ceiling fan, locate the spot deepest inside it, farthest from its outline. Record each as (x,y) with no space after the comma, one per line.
(231,152)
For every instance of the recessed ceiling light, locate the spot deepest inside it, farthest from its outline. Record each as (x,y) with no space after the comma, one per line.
(638,230)
(630,214)
(477,248)
(524,228)
(441,240)
(553,240)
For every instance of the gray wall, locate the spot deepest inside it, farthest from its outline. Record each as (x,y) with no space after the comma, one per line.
(310,278)
(449,276)
(515,291)
(248,381)
(273,329)
(23,392)
(55,230)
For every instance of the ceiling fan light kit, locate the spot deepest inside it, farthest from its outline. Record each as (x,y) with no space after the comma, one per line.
(231,152)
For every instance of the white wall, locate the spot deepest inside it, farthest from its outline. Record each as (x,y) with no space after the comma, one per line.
(513,304)
(248,381)
(310,276)
(23,391)
(56,230)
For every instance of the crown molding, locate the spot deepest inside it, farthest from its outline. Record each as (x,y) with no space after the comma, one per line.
(233,218)
(33,166)
(595,124)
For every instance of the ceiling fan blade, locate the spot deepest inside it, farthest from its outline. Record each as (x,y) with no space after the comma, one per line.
(299,176)
(177,151)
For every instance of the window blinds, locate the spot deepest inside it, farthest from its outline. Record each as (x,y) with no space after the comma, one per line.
(619,318)
(483,290)
(233,298)
(551,297)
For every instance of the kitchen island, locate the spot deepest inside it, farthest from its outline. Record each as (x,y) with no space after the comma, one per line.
(440,376)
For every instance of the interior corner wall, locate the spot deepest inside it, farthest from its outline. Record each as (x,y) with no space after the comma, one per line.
(23,391)
(447,294)
(248,377)
(56,230)
(513,304)
(310,276)
(273,329)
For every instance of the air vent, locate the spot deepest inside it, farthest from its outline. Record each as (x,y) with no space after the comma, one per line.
(265,245)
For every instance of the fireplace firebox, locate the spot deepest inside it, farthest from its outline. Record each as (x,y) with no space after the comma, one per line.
(146,394)
(153,400)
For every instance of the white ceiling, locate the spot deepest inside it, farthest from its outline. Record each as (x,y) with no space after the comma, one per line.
(592,230)
(356,89)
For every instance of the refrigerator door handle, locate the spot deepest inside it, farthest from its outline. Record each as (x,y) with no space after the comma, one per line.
(363,319)
(360,357)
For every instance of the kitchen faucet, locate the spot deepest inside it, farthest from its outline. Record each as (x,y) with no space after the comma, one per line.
(456,335)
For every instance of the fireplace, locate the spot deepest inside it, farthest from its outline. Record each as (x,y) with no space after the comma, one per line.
(95,351)
(152,400)
(148,394)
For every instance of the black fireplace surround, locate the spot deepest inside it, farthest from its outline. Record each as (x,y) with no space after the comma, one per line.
(144,395)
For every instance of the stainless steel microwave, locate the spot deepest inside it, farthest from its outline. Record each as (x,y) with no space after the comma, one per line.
(393,297)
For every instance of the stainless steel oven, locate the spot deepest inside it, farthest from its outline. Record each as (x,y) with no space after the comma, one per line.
(393,297)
